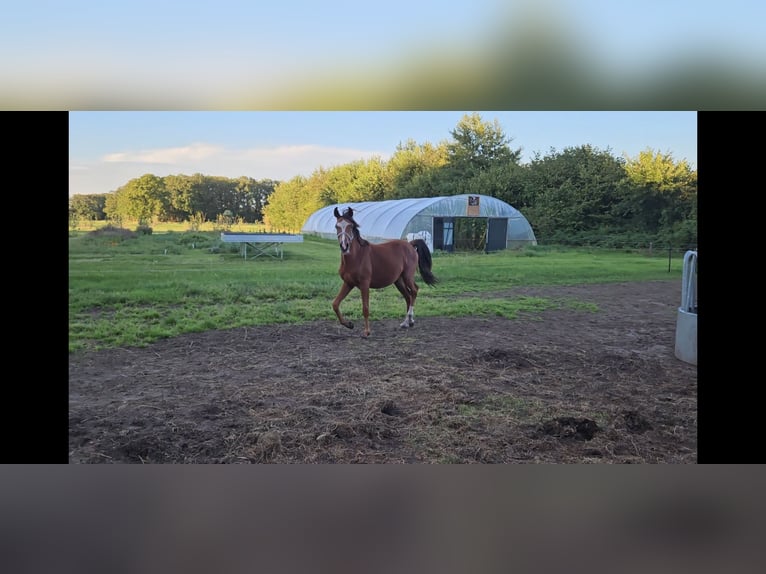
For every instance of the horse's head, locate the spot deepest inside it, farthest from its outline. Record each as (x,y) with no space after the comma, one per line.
(346,228)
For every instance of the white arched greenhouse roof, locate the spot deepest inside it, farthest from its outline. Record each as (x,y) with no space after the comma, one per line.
(396,218)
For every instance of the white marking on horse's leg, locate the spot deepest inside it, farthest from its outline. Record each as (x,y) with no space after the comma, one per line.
(409,318)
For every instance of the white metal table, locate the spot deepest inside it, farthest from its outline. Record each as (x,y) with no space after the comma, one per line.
(261,243)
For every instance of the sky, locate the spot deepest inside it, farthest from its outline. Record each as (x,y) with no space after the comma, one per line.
(107,149)
(338,54)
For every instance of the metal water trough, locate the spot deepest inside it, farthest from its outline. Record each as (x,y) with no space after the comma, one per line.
(686,323)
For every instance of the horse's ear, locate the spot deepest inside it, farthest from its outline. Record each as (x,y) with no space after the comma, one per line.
(337,214)
(348,213)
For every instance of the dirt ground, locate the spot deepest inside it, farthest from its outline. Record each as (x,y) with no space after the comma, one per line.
(561,386)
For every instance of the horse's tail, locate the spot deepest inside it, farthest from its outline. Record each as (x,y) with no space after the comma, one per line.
(424,261)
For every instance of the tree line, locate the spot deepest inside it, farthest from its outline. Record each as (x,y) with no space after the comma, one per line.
(576,195)
(177,198)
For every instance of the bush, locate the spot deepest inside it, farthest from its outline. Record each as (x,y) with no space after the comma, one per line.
(194,240)
(224,221)
(144,229)
(114,232)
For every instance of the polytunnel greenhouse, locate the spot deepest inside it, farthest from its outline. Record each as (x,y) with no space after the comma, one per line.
(457,222)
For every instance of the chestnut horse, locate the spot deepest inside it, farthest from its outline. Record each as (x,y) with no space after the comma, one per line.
(373,266)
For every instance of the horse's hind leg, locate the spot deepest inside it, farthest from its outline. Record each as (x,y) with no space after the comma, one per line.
(409,294)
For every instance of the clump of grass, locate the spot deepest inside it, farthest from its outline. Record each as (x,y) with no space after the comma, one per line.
(195,240)
(113,231)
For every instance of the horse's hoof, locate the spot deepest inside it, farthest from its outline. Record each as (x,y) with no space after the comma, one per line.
(350,325)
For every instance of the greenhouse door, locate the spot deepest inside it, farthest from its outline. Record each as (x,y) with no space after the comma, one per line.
(497,230)
(444,233)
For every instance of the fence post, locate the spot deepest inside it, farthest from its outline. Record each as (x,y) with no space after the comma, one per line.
(669,251)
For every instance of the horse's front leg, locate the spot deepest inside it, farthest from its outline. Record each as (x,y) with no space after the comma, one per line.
(345,289)
(365,309)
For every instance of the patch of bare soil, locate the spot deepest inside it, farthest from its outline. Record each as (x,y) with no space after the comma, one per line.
(562,386)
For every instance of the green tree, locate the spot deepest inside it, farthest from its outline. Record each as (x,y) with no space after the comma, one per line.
(250,197)
(291,203)
(116,205)
(572,191)
(179,190)
(88,207)
(360,180)
(143,198)
(412,171)
(259,196)
(663,195)
(74,219)
(503,180)
(202,197)
(477,145)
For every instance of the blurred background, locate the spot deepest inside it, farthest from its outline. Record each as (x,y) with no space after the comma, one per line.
(369,519)
(298,54)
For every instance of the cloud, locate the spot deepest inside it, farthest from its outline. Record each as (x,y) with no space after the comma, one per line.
(173,155)
(200,152)
(280,163)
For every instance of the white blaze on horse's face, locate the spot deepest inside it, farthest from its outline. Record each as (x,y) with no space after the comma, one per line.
(345,232)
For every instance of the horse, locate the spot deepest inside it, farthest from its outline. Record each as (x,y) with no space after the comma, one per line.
(374,266)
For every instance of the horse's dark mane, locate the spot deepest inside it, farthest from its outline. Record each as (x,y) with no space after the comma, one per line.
(362,240)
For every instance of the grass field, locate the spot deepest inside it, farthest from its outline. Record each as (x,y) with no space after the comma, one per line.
(130,291)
